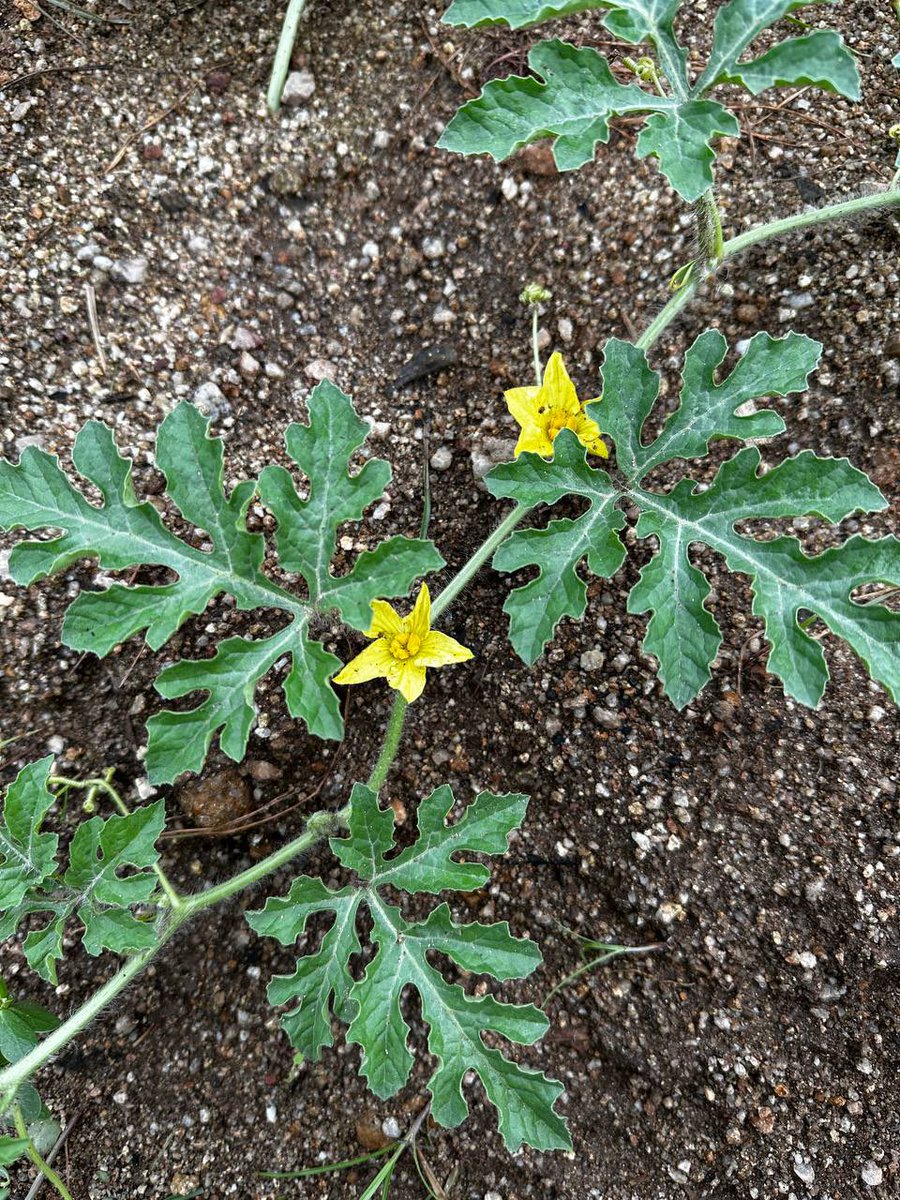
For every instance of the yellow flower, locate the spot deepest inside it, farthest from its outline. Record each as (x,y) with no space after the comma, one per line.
(403,648)
(543,411)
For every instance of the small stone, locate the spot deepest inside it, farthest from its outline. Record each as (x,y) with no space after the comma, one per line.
(369,1133)
(102,262)
(433,247)
(875,714)
(537,159)
(592,660)
(206,165)
(807,960)
(248,365)
(321,368)
(261,771)
(803,1170)
(215,800)
(442,458)
(390,1127)
(763,1120)
(747,314)
(871,1174)
(491,452)
(211,401)
(298,88)
(669,912)
(509,188)
(381,139)
(246,339)
(371,251)
(129,270)
(88,252)
(566,330)
(56,744)
(274,371)
(543,339)
(606,718)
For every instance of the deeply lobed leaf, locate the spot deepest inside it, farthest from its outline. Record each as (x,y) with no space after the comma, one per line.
(322,983)
(789,586)
(579,95)
(122,533)
(92,888)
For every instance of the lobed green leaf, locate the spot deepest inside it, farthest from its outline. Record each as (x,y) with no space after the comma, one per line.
(123,533)
(789,586)
(322,984)
(577,95)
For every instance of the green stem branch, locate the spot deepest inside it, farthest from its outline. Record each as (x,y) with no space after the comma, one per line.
(320,825)
(391,744)
(764,233)
(282,63)
(92,786)
(42,1165)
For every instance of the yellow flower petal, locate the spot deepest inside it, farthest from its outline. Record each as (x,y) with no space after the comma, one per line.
(523,403)
(419,620)
(438,650)
(588,433)
(408,678)
(384,620)
(534,440)
(376,660)
(558,390)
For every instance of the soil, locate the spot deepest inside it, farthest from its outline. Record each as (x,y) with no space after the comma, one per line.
(755,1054)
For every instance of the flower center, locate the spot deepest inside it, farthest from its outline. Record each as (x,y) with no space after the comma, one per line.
(557,419)
(405,645)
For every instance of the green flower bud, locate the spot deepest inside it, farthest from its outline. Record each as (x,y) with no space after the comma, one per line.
(533,293)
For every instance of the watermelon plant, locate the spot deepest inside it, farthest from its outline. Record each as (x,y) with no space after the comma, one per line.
(617,453)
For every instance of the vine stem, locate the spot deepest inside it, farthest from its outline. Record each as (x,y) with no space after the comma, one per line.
(764,233)
(391,744)
(320,825)
(42,1165)
(285,49)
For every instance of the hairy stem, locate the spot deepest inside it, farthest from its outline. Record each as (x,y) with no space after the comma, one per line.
(763,233)
(44,1167)
(709,231)
(535,348)
(391,744)
(282,63)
